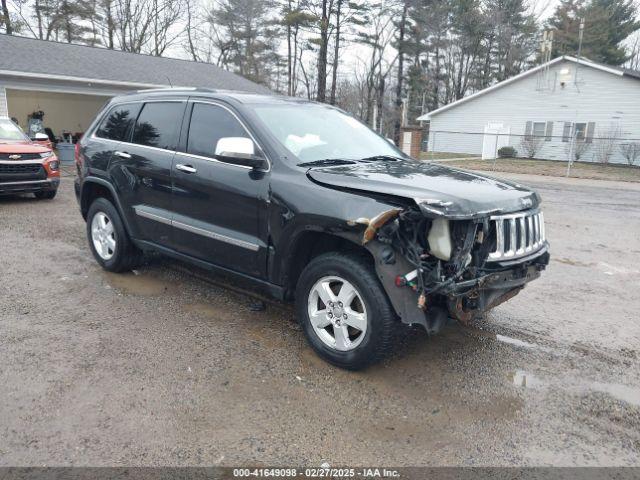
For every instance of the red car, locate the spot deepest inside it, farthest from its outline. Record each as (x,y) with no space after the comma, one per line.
(26,166)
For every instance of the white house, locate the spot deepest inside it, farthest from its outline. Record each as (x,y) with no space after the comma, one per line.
(564,108)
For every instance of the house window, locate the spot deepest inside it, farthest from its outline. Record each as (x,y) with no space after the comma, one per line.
(539,129)
(583,131)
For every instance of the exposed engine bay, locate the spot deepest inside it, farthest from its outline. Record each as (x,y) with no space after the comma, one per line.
(454,268)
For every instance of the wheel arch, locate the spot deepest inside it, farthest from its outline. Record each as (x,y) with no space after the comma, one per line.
(308,245)
(93,188)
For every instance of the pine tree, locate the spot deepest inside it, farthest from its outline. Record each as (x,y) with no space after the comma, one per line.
(616,19)
(607,23)
(248,38)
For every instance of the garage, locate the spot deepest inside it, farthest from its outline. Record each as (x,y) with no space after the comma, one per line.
(64,113)
(65,85)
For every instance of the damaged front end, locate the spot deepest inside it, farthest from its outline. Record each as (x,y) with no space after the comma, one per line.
(437,263)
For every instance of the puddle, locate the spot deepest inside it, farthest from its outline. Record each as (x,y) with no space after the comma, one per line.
(630,395)
(609,269)
(516,342)
(138,284)
(625,393)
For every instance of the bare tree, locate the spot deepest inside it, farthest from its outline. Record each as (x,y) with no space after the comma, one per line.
(400,77)
(5,19)
(606,142)
(630,151)
(531,145)
(577,149)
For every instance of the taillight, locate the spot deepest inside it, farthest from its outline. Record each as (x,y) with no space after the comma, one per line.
(77,155)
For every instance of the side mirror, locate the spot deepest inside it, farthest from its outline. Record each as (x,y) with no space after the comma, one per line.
(40,137)
(240,151)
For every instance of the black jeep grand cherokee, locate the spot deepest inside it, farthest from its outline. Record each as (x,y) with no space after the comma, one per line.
(306,203)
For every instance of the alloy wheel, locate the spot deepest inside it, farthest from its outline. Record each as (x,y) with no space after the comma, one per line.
(103,235)
(337,313)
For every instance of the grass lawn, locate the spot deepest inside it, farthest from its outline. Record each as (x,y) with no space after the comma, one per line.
(596,171)
(435,156)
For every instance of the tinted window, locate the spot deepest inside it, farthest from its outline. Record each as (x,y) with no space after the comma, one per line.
(158,125)
(210,123)
(117,124)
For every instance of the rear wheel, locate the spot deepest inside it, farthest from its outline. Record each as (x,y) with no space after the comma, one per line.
(108,239)
(344,311)
(46,194)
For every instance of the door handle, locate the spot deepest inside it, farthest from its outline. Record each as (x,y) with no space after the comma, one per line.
(122,155)
(185,168)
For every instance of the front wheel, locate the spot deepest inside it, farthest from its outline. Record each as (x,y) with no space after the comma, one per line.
(344,311)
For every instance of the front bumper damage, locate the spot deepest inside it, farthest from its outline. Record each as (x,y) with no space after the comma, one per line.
(463,287)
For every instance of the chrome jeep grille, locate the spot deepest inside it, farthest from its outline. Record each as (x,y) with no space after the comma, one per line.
(517,235)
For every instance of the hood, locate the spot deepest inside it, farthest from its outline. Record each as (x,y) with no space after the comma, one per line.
(438,190)
(22,147)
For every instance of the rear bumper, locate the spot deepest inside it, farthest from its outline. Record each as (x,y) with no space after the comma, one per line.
(29,186)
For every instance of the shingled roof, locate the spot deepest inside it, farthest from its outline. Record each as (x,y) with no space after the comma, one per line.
(44,58)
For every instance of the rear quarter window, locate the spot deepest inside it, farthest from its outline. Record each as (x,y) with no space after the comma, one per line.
(117,124)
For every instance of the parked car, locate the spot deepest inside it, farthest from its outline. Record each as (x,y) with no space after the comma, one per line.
(25,166)
(307,203)
(42,139)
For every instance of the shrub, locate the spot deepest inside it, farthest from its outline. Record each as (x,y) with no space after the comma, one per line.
(630,152)
(507,152)
(531,144)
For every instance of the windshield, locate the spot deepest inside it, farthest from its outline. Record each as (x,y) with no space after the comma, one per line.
(9,131)
(317,132)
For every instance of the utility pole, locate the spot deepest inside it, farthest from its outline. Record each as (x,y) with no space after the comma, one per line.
(580,35)
(575,82)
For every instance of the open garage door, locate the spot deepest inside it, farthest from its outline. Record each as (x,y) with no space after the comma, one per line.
(63,112)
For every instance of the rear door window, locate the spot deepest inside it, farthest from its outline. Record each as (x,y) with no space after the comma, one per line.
(210,123)
(159,124)
(118,122)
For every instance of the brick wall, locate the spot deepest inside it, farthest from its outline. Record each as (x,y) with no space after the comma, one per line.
(411,141)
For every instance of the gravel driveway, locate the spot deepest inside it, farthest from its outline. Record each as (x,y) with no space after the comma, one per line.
(168,366)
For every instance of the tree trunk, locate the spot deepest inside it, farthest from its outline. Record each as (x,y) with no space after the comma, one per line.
(336,51)
(322,56)
(289,61)
(380,103)
(7,20)
(38,19)
(110,25)
(294,73)
(398,112)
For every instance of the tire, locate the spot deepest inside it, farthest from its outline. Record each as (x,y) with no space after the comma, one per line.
(111,245)
(364,347)
(46,194)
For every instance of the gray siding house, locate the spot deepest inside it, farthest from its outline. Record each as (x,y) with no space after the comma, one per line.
(70,83)
(566,108)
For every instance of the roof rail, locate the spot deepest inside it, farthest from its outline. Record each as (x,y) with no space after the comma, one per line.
(166,89)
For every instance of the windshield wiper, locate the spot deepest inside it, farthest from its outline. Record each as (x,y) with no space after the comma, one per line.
(327,162)
(385,158)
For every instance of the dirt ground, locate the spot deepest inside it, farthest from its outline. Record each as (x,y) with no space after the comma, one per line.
(164,366)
